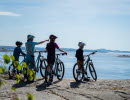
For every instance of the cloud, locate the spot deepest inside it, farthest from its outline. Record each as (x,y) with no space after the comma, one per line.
(5,13)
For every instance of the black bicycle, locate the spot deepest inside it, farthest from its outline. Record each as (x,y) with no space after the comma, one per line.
(40,63)
(58,70)
(12,71)
(79,75)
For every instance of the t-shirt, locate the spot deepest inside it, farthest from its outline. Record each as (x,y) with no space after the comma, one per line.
(51,49)
(17,52)
(30,45)
(79,55)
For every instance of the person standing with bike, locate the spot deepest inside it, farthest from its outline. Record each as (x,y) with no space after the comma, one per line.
(80,58)
(17,51)
(12,70)
(30,46)
(51,49)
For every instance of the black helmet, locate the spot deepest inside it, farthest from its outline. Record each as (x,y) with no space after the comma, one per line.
(18,43)
(52,37)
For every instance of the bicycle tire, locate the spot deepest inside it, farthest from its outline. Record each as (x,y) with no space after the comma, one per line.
(10,70)
(92,71)
(26,76)
(61,65)
(43,68)
(75,73)
(47,73)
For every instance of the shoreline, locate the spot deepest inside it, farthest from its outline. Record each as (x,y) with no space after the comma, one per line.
(68,89)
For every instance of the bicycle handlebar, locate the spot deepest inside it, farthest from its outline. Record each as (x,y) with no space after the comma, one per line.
(39,51)
(61,54)
(90,54)
(22,55)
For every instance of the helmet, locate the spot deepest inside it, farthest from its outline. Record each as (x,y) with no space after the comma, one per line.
(18,43)
(52,37)
(30,37)
(81,44)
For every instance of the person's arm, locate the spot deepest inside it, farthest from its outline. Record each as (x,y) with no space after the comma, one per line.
(22,52)
(62,50)
(42,42)
(59,48)
(76,54)
(46,48)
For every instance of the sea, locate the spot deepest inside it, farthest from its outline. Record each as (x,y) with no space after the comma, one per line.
(107,65)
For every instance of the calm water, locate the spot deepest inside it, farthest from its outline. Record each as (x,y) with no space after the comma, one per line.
(107,65)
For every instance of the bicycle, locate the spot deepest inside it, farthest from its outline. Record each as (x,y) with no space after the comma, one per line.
(58,70)
(79,75)
(12,71)
(40,63)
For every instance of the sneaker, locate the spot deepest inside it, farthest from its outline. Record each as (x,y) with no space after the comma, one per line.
(59,75)
(86,79)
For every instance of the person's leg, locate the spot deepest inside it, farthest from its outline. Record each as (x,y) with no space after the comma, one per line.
(32,61)
(50,67)
(50,61)
(80,65)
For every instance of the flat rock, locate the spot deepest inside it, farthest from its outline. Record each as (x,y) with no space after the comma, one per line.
(68,89)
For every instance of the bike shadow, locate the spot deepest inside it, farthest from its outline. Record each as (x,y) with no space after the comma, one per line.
(76,84)
(20,85)
(44,86)
(41,87)
(57,81)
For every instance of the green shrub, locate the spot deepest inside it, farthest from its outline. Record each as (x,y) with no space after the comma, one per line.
(6,59)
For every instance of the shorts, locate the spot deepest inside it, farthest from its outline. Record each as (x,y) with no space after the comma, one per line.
(80,64)
(30,59)
(51,60)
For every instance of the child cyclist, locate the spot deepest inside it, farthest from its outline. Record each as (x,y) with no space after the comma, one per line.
(51,50)
(17,51)
(30,46)
(80,57)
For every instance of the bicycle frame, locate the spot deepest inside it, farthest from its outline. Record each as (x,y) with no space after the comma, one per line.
(88,61)
(21,61)
(55,64)
(38,61)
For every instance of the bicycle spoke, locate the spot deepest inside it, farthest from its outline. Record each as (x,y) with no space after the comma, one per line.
(78,74)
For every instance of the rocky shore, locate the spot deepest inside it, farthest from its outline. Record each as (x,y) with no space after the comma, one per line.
(68,89)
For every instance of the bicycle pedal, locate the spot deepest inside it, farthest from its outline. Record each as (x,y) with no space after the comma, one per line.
(84,72)
(59,75)
(43,67)
(88,77)
(53,73)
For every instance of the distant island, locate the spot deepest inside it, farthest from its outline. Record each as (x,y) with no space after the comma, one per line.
(125,56)
(11,48)
(4,50)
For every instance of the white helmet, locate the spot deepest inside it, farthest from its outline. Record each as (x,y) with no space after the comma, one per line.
(30,37)
(81,44)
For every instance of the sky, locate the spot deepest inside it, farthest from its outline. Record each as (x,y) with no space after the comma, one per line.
(98,23)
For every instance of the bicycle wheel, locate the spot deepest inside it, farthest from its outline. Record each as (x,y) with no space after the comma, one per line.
(12,72)
(25,73)
(78,75)
(31,78)
(48,75)
(92,71)
(30,72)
(43,65)
(60,70)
